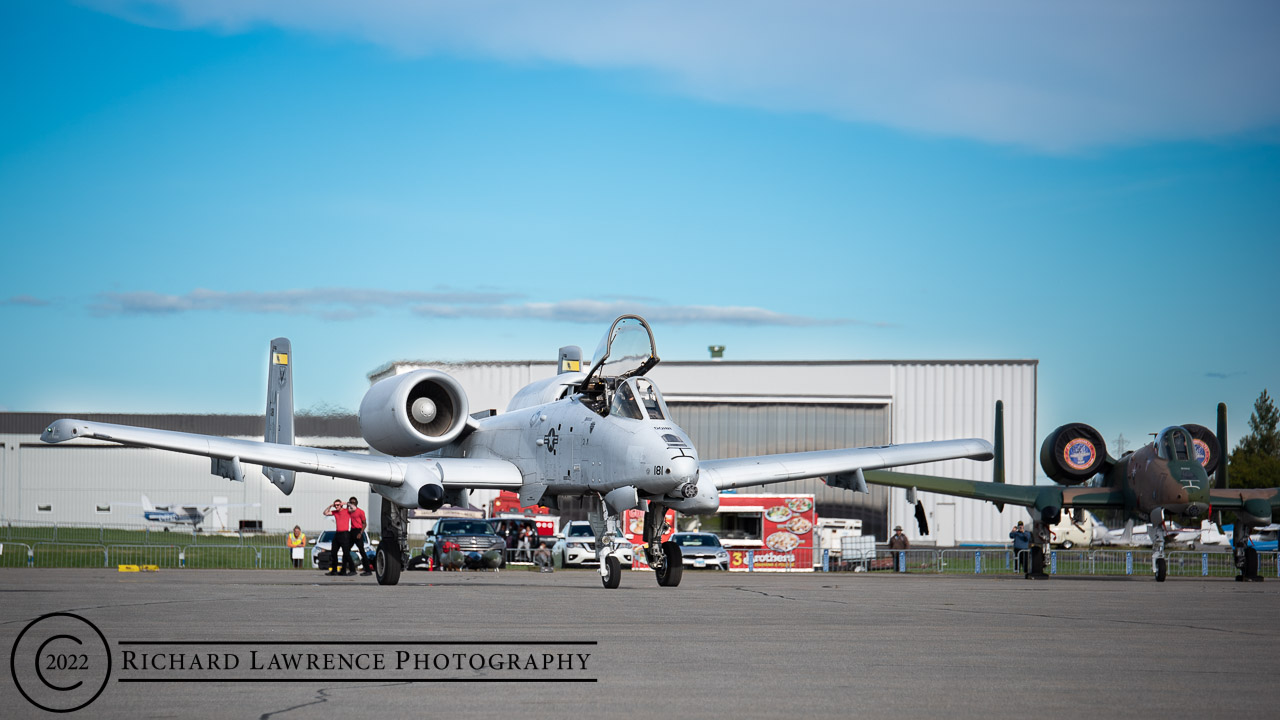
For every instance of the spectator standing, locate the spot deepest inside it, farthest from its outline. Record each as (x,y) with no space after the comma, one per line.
(899,542)
(523,545)
(297,542)
(358,524)
(341,536)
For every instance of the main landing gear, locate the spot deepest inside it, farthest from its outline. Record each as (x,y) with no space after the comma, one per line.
(391,556)
(1039,550)
(1245,557)
(1155,529)
(663,557)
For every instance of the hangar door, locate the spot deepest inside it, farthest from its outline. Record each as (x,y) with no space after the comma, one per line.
(726,429)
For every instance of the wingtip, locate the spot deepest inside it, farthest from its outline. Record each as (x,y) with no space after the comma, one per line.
(63,430)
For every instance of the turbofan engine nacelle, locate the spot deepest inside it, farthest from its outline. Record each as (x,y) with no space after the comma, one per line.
(413,413)
(1208,451)
(1074,453)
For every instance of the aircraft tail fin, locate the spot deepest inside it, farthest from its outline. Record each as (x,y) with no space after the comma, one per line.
(997,465)
(570,359)
(146,504)
(279,422)
(1220,477)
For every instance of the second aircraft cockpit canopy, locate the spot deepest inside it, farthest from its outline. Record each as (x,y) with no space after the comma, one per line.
(1174,443)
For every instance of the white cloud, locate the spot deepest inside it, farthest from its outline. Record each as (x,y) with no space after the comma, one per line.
(599,312)
(329,303)
(1048,75)
(27,300)
(353,303)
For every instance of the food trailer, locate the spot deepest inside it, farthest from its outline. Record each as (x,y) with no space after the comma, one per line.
(766,533)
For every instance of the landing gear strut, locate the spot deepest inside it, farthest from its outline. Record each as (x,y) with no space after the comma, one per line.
(1155,529)
(607,527)
(663,557)
(1039,550)
(391,556)
(1245,557)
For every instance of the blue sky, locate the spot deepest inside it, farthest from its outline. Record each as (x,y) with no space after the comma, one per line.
(1097,188)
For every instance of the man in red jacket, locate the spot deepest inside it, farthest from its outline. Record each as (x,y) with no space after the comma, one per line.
(358,525)
(341,536)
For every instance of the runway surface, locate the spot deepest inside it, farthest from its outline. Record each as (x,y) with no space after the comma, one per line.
(720,645)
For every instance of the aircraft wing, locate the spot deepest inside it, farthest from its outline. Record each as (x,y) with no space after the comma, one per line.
(1235,498)
(453,473)
(1037,496)
(1253,506)
(766,469)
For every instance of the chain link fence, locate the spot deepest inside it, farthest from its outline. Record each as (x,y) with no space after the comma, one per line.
(96,546)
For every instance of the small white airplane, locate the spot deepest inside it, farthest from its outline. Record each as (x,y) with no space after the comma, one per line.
(173,515)
(604,435)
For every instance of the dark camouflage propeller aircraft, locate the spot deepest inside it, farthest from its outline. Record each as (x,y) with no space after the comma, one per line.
(1168,479)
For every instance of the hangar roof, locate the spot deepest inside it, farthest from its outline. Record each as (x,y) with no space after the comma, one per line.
(336,426)
(389,368)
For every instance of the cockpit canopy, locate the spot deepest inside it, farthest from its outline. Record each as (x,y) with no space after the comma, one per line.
(1174,443)
(626,350)
(638,399)
(615,385)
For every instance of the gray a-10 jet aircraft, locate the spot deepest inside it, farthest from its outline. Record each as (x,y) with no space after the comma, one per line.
(605,435)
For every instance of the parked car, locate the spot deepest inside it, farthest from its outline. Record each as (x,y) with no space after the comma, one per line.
(456,543)
(700,550)
(577,547)
(323,545)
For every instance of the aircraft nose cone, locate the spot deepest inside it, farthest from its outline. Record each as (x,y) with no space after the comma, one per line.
(684,469)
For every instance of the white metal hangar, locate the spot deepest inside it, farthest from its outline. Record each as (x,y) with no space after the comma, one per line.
(738,409)
(89,482)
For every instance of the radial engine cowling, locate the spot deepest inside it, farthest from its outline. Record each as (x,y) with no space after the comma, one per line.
(413,413)
(1073,453)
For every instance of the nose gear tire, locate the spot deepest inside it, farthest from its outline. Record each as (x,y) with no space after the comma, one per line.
(613,572)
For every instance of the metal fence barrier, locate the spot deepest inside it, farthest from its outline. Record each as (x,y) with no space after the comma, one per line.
(220,557)
(165,556)
(68,555)
(15,554)
(125,534)
(280,557)
(88,546)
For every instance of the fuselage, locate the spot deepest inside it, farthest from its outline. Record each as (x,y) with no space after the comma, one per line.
(1164,474)
(170,517)
(573,449)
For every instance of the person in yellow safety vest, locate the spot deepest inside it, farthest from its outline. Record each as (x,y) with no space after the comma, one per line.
(296,539)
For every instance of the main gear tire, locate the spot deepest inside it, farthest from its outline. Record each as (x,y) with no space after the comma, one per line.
(387,566)
(672,569)
(1162,569)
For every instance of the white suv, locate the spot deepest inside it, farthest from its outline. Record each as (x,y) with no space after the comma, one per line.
(577,547)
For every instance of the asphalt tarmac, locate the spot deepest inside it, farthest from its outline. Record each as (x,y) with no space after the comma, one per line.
(720,645)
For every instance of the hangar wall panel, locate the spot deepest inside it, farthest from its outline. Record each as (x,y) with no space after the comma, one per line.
(937,401)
